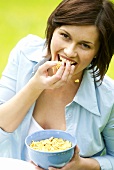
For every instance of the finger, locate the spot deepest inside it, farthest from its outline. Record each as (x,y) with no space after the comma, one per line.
(57,85)
(76,152)
(38,168)
(51,80)
(60,71)
(57,79)
(62,74)
(35,166)
(51,168)
(66,71)
(60,78)
(47,65)
(71,72)
(32,162)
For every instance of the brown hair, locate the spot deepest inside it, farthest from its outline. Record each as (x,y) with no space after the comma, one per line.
(87,12)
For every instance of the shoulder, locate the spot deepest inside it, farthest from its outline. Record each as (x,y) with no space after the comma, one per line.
(106,91)
(32,47)
(30,41)
(108,84)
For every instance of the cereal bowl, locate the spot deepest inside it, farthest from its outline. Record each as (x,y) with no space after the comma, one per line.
(46,159)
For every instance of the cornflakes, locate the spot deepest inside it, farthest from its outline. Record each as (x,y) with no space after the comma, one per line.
(51,145)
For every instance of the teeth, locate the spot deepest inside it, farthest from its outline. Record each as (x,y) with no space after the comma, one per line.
(64,60)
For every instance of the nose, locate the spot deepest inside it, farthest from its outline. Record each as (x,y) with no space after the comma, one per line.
(70,51)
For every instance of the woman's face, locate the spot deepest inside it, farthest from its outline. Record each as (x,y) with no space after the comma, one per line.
(79,44)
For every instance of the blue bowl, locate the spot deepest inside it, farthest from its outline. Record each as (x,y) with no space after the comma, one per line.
(50,159)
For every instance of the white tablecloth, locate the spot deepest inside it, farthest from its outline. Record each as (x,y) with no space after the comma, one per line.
(15,164)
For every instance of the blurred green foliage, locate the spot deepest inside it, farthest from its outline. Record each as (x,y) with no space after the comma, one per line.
(19,18)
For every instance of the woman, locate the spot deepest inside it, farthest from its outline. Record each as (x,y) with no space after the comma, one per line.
(77,97)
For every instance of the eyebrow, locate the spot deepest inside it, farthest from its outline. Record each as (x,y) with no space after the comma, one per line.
(87,42)
(65,32)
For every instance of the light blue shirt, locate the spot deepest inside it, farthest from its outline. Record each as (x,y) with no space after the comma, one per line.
(90,116)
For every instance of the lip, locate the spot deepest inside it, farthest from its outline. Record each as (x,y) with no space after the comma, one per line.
(62,58)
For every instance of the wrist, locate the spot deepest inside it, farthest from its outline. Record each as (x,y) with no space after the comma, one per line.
(33,90)
(34,87)
(90,164)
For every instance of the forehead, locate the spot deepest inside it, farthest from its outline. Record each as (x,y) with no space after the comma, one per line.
(88,32)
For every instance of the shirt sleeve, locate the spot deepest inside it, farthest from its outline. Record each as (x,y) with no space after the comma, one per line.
(26,52)
(107,161)
(8,88)
(8,79)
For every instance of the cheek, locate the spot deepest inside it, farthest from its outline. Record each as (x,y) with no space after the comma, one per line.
(55,46)
(54,49)
(84,61)
(86,57)
(87,60)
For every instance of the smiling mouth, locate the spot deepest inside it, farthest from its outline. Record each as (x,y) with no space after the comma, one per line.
(63,59)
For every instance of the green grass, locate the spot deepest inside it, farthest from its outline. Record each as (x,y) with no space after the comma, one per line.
(19,18)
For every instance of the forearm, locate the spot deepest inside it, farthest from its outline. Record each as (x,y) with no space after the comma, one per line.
(90,164)
(13,111)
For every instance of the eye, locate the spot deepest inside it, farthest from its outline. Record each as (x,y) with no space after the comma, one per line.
(65,36)
(85,46)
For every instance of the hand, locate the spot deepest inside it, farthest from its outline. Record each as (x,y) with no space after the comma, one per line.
(42,79)
(69,166)
(35,166)
(79,163)
(74,164)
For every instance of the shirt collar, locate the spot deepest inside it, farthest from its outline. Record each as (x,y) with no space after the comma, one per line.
(86,95)
(36,52)
(41,61)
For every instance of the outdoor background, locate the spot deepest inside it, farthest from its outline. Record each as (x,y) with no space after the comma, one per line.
(23,17)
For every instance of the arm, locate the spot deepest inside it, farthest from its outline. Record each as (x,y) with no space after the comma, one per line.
(107,161)
(16,105)
(78,163)
(22,101)
(17,108)
(15,99)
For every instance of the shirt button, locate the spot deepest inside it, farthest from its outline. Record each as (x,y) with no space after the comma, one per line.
(69,115)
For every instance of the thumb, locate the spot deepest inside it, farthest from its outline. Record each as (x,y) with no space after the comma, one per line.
(76,152)
(51,168)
